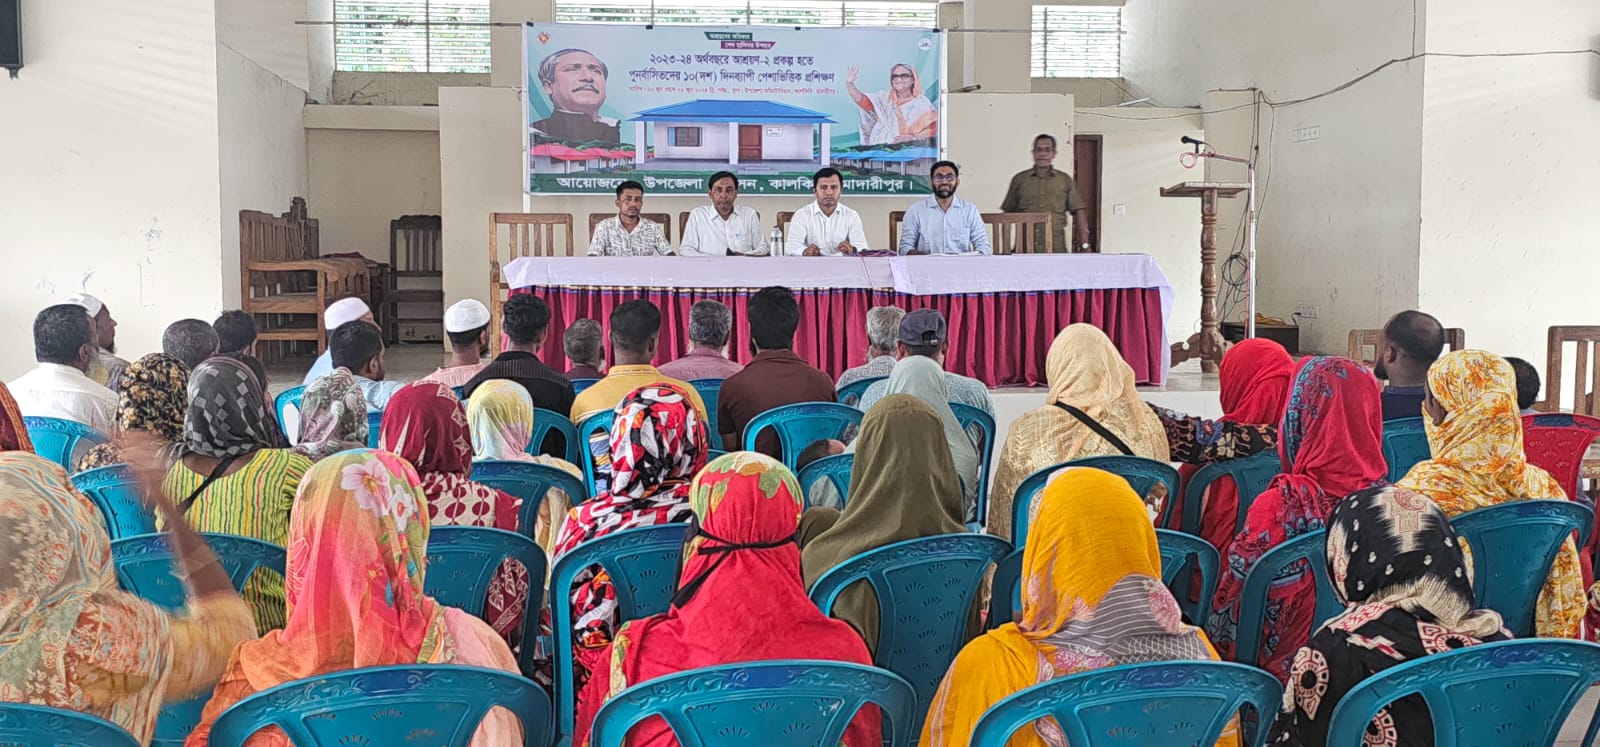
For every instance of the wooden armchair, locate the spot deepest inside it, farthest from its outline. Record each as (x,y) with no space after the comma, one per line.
(1585,370)
(1361,340)
(683,225)
(416,256)
(531,235)
(665,219)
(896,217)
(1019,233)
(285,283)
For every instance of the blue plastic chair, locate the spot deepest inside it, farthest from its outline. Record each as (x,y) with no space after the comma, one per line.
(1160,703)
(1142,475)
(286,399)
(441,704)
(1005,592)
(712,454)
(1307,549)
(851,394)
(799,425)
(643,565)
(1510,692)
(1186,552)
(1513,546)
(761,703)
(925,588)
(1405,442)
(546,421)
(597,424)
(530,482)
(970,418)
(463,560)
(835,469)
(1250,476)
(374,426)
(710,391)
(461,392)
(116,492)
(37,726)
(578,385)
(60,440)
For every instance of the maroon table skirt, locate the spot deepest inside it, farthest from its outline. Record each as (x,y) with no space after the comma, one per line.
(1000,339)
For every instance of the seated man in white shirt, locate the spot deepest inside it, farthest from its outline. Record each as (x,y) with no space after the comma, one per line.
(339,313)
(106,368)
(826,228)
(64,345)
(627,234)
(724,229)
(944,223)
(358,347)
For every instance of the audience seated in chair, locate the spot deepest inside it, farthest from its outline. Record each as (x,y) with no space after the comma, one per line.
(500,418)
(338,314)
(883,332)
(236,338)
(333,416)
(1093,571)
(525,320)
(127,656)
(193,341)
(924,334)
(584,346)
(1412,341)
(774,377)
(635,326)
(904,486)
(823,492)
(64,346)
(358,348)
(710,324)
(466,324)
(921,377)
(1478,461)
(359,526)
(1331,447)
(1528,385)
(740,598)
(1405,585)
(104,367)
(1085,372)
(13,430)
(230,478)
(152,397)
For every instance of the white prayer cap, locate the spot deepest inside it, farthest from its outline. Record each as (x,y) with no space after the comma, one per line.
(344,311)
(465,316)
(88,302)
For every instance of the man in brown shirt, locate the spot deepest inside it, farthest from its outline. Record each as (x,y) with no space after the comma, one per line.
(775,377)
(1043,189)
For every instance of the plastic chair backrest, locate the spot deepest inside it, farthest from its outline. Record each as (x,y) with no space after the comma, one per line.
(1250,476)
(463,560)
(1186,552)
(643,565)
(38,726)
(925,589)
(1513,546)
(461,393)
(546,421)
(1508,692)
(1306,549)
(374,427)
(596,424)
(972,417)
(1142,475)
(799,425)
(61,441)
(387,705)
(761,703)
(116,492)
(1557,443)
(286,399)
(835,469)
(1004,605)
(529,482)
(1404,444)
(578,385)
(710,391)
(1159,703)
(851,393)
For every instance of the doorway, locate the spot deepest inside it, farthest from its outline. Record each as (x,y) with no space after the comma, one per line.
(749,143)
(1086,161)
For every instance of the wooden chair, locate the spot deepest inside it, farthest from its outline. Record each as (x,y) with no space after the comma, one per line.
(1019,233)
(284,281)
(531,235)
(1585,370)
(683,225)
(784,217)
(896,217)
(1360,340)
(665,219)
(416,253)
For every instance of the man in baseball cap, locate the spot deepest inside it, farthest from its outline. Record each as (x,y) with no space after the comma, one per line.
(466,323)
(924,332)
(338,314)
(106,368)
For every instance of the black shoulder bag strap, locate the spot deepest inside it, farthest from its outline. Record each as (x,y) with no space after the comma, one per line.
(217,472)
(1094,425)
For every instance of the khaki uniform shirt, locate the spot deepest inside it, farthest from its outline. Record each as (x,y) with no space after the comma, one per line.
(1056,194)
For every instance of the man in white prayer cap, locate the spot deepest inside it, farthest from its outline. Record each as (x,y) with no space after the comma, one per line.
(106,368)
(339,313)
(466,323)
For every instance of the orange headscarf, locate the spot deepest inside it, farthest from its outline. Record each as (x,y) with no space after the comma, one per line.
(13,433)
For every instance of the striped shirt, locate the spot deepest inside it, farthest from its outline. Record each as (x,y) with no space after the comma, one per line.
(254,501)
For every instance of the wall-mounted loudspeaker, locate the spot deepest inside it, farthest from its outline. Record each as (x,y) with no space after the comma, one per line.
(11,35)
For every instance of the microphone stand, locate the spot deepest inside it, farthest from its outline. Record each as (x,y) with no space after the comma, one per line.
(1250,232)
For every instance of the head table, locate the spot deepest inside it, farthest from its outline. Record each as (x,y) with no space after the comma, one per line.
(1003,312)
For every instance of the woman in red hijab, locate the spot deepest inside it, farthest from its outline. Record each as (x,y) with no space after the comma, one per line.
(1331,445)
(13,433)
(739,599)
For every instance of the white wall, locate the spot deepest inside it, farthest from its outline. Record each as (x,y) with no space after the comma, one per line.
(362,179)
(265,31)
(714,141)
(480,172)
(794,142)
(109,171)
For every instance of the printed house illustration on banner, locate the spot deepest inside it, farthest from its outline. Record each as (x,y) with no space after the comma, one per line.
(733,131)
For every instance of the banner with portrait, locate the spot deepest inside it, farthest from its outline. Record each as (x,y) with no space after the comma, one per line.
(669,106)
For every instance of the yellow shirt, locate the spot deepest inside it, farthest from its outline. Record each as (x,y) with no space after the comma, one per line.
(618,383)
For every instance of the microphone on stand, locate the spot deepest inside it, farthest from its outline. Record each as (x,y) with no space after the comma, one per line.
(1186,140)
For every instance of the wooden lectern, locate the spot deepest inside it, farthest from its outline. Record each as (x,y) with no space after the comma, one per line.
(1207,344)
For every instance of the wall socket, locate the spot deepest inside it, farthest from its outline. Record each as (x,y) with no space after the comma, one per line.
(1306,311)
(1119,209)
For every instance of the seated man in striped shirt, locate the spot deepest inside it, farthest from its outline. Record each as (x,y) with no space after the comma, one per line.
(627,234)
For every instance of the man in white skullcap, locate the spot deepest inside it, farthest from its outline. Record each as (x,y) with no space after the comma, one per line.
(106,368)
(339,313)
(466,323)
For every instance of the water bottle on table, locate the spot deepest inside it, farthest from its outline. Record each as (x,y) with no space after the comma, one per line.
(775,242)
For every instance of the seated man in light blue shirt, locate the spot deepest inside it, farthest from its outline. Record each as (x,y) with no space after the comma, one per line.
(338,314)
(944,223)
(358,346)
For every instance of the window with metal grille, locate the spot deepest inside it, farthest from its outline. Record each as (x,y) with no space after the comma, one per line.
(1075,41)
(411,36)
(685,137)
(913,13)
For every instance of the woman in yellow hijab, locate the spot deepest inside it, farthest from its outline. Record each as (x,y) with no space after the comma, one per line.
(1475,431)
(1092,597)
(1086,373)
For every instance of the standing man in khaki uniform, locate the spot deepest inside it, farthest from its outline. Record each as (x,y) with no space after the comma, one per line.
(1043,189)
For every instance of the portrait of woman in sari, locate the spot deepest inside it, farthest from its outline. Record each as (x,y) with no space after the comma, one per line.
(900,114)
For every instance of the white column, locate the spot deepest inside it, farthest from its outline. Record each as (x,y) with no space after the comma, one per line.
(640,145)
(827,143)
(733,143)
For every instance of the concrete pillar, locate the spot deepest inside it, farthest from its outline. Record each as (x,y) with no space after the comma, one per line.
(506,41)
(999,57)
(640,148)
(827,144)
